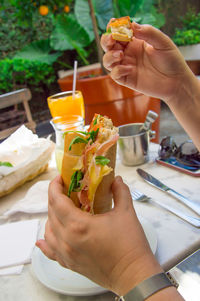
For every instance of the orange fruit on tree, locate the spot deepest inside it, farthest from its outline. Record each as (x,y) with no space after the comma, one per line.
(66,8)
(43,10)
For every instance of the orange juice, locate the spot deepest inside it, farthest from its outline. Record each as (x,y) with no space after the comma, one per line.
(66,103)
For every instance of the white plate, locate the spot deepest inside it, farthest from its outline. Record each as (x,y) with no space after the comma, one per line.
(66,282)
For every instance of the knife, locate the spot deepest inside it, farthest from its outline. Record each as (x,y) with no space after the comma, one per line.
(155,182)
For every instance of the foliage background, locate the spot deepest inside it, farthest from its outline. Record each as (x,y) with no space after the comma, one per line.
(50,50)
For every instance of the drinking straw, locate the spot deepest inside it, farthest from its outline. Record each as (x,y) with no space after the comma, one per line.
(74,79)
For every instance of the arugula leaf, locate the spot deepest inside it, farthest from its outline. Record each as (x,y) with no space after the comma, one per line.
(75,182)
(101,160)
(8,164)
(95,121)
(93,135)
(108,31)
(77,140)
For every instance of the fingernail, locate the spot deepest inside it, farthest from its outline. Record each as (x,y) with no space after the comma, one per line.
(119,179)
(117,54)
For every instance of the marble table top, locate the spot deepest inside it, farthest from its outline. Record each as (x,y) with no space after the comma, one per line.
(177,239)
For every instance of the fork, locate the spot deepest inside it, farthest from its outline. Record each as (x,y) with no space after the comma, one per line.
(141,197)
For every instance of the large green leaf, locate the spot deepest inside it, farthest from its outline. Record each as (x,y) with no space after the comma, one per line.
(103,11)
(82,13)
(126,7)
(68,34)
(38,51)
(151,17)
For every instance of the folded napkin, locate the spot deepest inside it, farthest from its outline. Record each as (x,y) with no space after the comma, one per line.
(17,241)
(35,200)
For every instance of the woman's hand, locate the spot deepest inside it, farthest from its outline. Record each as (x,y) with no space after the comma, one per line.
(150,63)
(110,249)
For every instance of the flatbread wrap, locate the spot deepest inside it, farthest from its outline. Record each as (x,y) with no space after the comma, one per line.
(88,165)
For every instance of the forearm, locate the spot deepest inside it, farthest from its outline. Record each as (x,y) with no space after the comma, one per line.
(185,105)
(136,273)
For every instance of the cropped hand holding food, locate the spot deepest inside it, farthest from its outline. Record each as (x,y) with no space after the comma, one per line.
(152,64)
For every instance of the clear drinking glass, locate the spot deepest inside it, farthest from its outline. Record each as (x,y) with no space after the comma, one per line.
(61,125)
(66,103)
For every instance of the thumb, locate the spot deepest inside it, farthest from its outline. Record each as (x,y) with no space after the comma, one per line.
(152,36)
(121,194)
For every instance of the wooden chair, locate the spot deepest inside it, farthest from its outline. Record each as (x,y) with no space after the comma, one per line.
(12,116)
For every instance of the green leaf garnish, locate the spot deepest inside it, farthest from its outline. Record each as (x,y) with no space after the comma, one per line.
(101,160)
(8,164)
(77,140)
(108,31)
(75,182)
(95,121)
(93,135)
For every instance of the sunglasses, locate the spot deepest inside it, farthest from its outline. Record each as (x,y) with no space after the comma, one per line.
(186,153)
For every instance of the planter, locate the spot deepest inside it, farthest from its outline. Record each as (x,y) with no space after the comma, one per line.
(104,96)
(191,54)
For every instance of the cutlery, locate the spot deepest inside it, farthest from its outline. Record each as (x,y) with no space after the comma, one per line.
(139,196)
(155,182)
(150,118)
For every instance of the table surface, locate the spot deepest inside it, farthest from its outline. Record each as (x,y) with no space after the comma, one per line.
(176,238)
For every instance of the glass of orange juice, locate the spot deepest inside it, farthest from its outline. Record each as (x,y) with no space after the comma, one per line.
(62,124)
(66,103)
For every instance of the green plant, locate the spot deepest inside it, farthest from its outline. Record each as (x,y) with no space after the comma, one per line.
(20,71)
(190,32)
(85,21)
(142,11)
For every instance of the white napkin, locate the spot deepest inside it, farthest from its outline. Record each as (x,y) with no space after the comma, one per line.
(17,241)
(16,270)
(35,200)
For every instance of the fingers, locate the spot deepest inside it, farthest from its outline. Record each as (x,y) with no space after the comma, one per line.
(111,58)
(61,204)
(152,36)
(107,42)
(121,194)
(120,71)
(46,249)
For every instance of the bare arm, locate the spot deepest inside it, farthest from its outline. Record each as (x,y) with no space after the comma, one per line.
(110,249)
(153,65)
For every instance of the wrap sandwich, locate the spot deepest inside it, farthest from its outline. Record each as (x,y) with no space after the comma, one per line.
(88,165)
